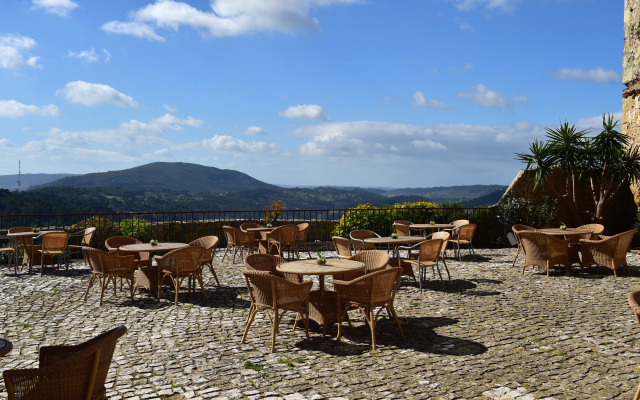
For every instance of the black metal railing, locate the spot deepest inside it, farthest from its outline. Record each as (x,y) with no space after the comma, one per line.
(185,226)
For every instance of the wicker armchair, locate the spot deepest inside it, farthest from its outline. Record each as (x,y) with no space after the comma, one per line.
(373,260)
(303,239)
(114,242)
(610,251)
(178,265)
(634,302)
(596,231)
(544,250)
(84,236)
(269,262)
(53,244)
(516,229)
(429,254)
(372,291)
(357,239)
(275,295)
(463,235)
(67,372)
(106,267)
(210,244)
(342,245)
(281,238)
(238,240)
(247,225)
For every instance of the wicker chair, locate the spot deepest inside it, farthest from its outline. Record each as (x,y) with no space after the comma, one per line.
(516,229)
(7,246)
(403,222)
(372,291)
(357,239)
(544,250)
(178,265)
(84,236)
(238,240)
(269,262)
(210,244)
(634,302)
(275,295)
(114,242)
(596,231)
(463,235)
(445,241)
(401,229)
(53,244)
(281,238)
(24,243)
(373,260)
(429,255)
(67,372)
(610,251)
(106,267)
(303,239)
(247,225)
(342,245)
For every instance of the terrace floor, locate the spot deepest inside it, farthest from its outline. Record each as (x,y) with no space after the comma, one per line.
(490,333)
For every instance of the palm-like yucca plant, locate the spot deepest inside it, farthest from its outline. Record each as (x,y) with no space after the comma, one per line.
(605,162)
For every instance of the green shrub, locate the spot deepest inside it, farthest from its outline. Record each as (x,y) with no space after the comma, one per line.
(520,210)
(135,227)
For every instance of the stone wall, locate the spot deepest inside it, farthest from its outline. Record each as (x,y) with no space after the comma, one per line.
(631,76)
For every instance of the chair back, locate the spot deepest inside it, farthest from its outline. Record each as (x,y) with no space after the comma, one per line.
(373,260)
(93,258)
(103,262)
(623,242)
(444,236)
(459,222)
(210,245)
(268,290)
(596,231)
(181,261)
(342,245)
(634,302)
(401,229)
(114,242)
(534,244)
(430,250)
(378,287)
(88,235)
(68,372)
(465,232)
(263,262)
(401,221)
(358,236)
(303,232)
(284,234)
(55,241)
(246,225)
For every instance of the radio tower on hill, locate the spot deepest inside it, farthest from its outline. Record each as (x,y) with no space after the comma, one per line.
(19,180)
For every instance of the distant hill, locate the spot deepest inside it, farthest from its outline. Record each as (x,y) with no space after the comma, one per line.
(10,182)
(193,178)
(487,200)
(448,194)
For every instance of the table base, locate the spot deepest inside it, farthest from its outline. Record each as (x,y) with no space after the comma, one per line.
(147,278)
(323,308)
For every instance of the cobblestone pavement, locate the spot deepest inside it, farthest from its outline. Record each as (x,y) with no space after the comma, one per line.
(490,333)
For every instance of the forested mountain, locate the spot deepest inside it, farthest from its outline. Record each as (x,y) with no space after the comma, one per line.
(448,193)
(178,176)
(28,180)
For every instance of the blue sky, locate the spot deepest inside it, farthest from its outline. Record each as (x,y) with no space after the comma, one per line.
(408,93)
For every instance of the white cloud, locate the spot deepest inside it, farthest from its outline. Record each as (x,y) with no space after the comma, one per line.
(13,49)
(595,123)
(466,27)
(170,108)
(253,131)
(14,109)
(57,7)
(597,75)
(221,143)
(137,29)
(420,99)
(175,123)
(305,111)
(91,94)
(520,99)
(225,17)
(91,55)
(486,97)
(467,5)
